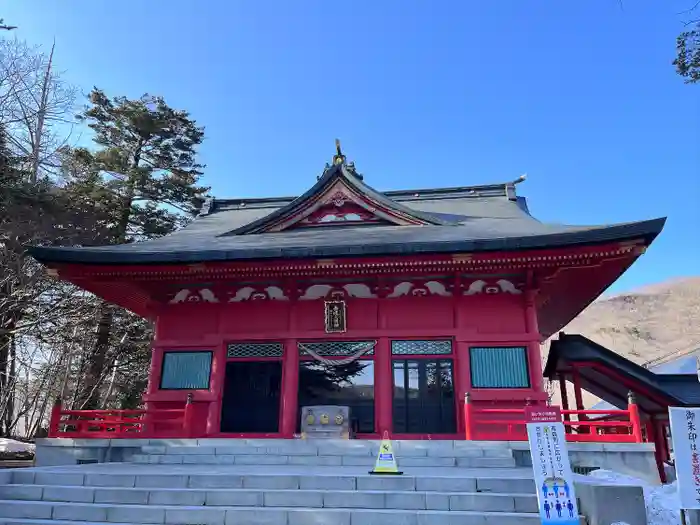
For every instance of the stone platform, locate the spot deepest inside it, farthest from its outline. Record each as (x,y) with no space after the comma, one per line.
(271,482)
(278,482)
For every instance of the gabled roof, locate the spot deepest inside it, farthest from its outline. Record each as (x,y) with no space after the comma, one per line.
(344,179)
(603,380)
(480,218)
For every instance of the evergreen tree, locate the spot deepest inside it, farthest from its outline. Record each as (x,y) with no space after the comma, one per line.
(687,60)
(146,175)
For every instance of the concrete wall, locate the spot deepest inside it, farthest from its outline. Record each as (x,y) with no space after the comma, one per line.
(603,504)
(67,451)
(633,459)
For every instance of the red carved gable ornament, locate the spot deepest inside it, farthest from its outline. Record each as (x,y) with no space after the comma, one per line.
(340,204)
(345,212)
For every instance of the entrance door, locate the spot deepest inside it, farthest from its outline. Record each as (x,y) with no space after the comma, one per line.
(251,401)
(424,401)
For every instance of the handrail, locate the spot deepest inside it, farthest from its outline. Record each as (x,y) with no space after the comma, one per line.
(595,412)
(117,423)
(477,421)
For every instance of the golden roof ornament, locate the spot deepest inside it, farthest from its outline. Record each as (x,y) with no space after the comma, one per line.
(338,158)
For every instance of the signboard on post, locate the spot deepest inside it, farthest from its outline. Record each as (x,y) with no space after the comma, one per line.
(550,462)
(684,434)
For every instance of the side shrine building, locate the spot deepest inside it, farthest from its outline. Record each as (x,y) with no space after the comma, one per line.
(395,304)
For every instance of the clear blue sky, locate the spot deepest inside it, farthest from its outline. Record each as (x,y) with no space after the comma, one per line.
(578,94)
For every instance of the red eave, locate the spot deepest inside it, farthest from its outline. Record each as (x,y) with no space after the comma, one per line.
(566,279)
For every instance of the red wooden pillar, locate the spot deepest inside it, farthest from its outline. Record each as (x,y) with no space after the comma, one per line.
(383,386)
(383,369)
(216,387)
(579,399)
(468,432)
(649,436)
(290,389)
(290,368)
(155,371)
(533,347)
(188,418)
(564,395)
(577,388)
(635,417)
(660,446)
(462,380)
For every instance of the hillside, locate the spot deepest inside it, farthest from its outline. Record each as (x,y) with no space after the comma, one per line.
(647,325)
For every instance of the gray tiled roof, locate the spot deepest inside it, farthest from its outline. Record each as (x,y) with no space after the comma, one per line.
(467,219)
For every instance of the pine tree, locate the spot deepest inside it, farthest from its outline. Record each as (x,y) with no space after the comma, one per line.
(146,174)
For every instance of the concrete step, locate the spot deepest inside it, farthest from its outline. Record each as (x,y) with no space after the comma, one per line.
(317,478)
(56,513)
(273,459)
(401,500)
(403,449)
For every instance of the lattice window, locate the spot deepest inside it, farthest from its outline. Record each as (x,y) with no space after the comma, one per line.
(254,350)
(421,347)
(337,348)
(186,370)
(499,367)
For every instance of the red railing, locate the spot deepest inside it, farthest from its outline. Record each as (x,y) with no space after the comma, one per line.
(508,424)
(121,423)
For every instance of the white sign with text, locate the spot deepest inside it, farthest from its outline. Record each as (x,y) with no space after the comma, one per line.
(684,434)
(550,463)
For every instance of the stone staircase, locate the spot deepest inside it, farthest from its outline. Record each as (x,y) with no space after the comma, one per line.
(279,482)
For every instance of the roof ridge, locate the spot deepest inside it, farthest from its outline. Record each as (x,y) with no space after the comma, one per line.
(348,176)
(508,189)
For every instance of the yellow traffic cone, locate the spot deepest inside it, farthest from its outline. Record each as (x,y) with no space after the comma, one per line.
(386,461)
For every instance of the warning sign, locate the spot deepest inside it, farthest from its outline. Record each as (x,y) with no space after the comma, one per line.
(542,414)
(386,461)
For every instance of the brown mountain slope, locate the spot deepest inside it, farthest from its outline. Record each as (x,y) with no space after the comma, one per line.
(648,325)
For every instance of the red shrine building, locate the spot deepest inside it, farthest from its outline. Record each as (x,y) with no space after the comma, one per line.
(395,304)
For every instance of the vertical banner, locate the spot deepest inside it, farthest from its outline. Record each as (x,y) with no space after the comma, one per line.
(550,462)
(684,434)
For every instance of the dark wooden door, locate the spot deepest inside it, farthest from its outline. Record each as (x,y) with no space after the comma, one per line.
(251,401)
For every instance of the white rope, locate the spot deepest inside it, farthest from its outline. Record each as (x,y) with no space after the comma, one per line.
(366,347)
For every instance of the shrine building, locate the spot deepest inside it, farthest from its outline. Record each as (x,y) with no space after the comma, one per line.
(395,304)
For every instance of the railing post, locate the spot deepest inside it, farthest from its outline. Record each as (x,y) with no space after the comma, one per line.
(55,419)
(636,421)
(468,416)
(188,417)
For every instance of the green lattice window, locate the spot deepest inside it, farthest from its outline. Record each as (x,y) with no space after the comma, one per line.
(337,348)
(499,367)
(186,370)
(254,350)
(421,347)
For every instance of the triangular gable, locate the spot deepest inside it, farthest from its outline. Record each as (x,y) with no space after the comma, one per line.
(339,198)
